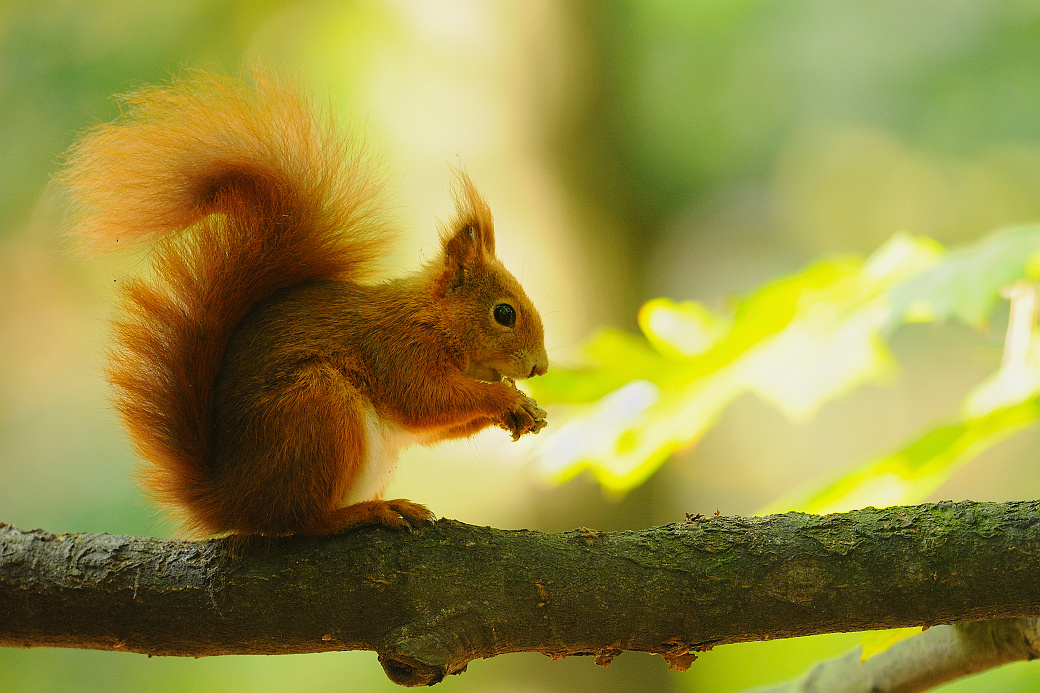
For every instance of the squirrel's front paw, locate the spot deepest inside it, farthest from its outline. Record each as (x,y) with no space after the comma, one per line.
(525,416)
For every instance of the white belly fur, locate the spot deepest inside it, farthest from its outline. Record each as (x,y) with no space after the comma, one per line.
(385,440)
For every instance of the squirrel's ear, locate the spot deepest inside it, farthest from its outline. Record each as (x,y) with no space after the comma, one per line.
(468,240)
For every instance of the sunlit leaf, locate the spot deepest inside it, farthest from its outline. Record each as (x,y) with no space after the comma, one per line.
(998,407)
(614,358)
(592,435)
(796,343)
(911,474)
(1007,386)
(1019,374)
(817,359)
(682,329)
(875,642)
(966,284)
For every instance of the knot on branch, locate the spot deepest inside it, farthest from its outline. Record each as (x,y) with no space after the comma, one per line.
(434,645)
(406,671)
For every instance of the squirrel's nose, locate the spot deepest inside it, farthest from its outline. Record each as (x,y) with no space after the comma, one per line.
(539,361)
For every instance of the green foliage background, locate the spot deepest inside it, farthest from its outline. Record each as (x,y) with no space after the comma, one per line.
(769,241)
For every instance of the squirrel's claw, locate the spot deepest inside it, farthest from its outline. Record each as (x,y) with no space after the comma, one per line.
(525,416)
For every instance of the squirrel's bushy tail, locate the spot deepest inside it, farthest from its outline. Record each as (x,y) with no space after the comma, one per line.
(241,191)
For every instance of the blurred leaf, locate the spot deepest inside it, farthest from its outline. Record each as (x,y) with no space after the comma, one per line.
(910,474)
(967,283)
(682,329)
(617,357)
(877,641)
(1001,405)
(797,342)
(1019,374)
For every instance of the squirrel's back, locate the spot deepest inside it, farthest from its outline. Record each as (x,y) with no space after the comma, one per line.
(241,191)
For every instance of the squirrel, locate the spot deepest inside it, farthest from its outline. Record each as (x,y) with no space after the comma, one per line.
(267,380)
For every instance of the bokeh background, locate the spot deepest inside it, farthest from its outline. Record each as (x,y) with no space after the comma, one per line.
(632,149)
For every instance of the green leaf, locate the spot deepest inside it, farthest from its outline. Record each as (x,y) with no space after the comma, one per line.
(967,282)
(875,642)
(682,329)
(614,358)
(797,342)
(912,473)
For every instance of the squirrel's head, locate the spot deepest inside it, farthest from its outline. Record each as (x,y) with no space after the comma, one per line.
(496,328)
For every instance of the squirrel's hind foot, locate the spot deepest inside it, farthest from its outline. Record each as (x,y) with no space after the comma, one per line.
(397,513)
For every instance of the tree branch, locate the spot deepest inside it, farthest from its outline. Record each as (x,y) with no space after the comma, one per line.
(432,601)
(924,661)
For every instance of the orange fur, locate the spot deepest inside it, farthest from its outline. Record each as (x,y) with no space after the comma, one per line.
(265,382)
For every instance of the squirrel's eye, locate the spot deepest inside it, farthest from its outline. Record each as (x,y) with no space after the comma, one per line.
(505,315)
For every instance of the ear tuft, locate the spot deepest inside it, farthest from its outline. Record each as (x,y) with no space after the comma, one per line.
(468,238)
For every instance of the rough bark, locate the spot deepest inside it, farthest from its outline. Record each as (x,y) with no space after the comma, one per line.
(431,601)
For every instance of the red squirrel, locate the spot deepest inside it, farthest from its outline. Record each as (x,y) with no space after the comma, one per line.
(263,376)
